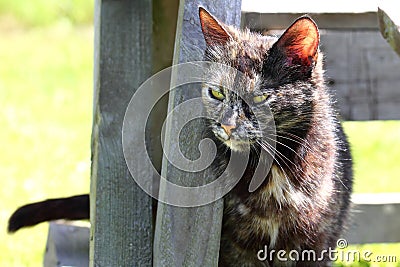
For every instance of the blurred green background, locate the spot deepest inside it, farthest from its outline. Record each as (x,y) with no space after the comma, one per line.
(46,60)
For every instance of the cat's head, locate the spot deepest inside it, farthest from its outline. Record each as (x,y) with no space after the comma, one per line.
(277,74)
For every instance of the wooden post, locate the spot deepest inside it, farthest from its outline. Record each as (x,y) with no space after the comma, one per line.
(121,232)
(190,236)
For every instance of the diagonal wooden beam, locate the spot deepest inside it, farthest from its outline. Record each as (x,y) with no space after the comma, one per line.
(390,30)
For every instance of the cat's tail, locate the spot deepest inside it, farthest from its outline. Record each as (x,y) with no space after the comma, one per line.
(70,208)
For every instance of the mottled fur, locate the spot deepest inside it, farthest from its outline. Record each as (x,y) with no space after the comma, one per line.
(304,199)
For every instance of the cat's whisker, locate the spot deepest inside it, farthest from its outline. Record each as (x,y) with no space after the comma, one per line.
(273,152)
(281,143)
(300,141)
(285,160)
(299,156)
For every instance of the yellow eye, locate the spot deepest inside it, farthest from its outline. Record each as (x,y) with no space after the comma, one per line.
(217,94)
(260,98)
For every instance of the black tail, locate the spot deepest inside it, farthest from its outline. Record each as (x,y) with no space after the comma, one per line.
(70,208)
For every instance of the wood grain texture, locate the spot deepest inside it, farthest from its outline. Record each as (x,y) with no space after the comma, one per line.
(67,245)
(390,30)
(121,233)
(375,218)
(190,236)
(333,21)
(363,72)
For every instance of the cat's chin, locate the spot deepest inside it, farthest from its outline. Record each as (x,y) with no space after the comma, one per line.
(232,143)
(237,146)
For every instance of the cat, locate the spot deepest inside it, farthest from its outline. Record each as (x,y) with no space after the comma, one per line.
(303,204)
(304,201)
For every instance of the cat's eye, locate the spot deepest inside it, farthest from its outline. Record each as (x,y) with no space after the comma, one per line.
(260,98)
(217,94)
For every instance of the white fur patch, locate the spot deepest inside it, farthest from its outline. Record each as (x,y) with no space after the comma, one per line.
(243,209)
(267,227)
(282,191)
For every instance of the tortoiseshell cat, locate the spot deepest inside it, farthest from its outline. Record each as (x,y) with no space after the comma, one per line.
(304,201)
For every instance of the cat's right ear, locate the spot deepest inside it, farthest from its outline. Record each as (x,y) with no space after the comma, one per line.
(299,43)
(214,33)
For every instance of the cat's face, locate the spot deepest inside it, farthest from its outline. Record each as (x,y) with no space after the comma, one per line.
(237,106)
(265,75)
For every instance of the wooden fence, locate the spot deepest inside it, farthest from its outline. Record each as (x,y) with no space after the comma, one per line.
(132,41)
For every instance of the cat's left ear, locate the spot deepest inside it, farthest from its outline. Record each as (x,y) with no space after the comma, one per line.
(299,42)
(213,31)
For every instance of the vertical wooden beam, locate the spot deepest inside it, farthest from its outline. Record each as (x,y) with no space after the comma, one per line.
(121,232)
(190,236)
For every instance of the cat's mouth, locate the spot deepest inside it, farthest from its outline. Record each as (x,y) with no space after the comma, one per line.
(232,141)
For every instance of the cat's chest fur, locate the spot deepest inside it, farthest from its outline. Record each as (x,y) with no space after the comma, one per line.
(259,212)
(277,216)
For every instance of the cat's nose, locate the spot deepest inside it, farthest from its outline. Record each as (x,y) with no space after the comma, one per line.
(228,128)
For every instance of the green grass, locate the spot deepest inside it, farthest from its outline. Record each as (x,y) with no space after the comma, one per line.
(376,153)
(378,252)
(46,12)
(46,101)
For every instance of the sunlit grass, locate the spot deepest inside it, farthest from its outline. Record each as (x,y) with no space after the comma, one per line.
(376,153)
(376,255)
(46,100)
(45,12)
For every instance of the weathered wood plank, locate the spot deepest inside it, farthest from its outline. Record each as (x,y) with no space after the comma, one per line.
(190,236)
(121,233)
(379,212)
(363,72)
(332,21)
(67,245)
(313,6)
(390,30)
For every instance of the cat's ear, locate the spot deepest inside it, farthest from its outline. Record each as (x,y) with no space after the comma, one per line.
(214,33)
(299,42)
